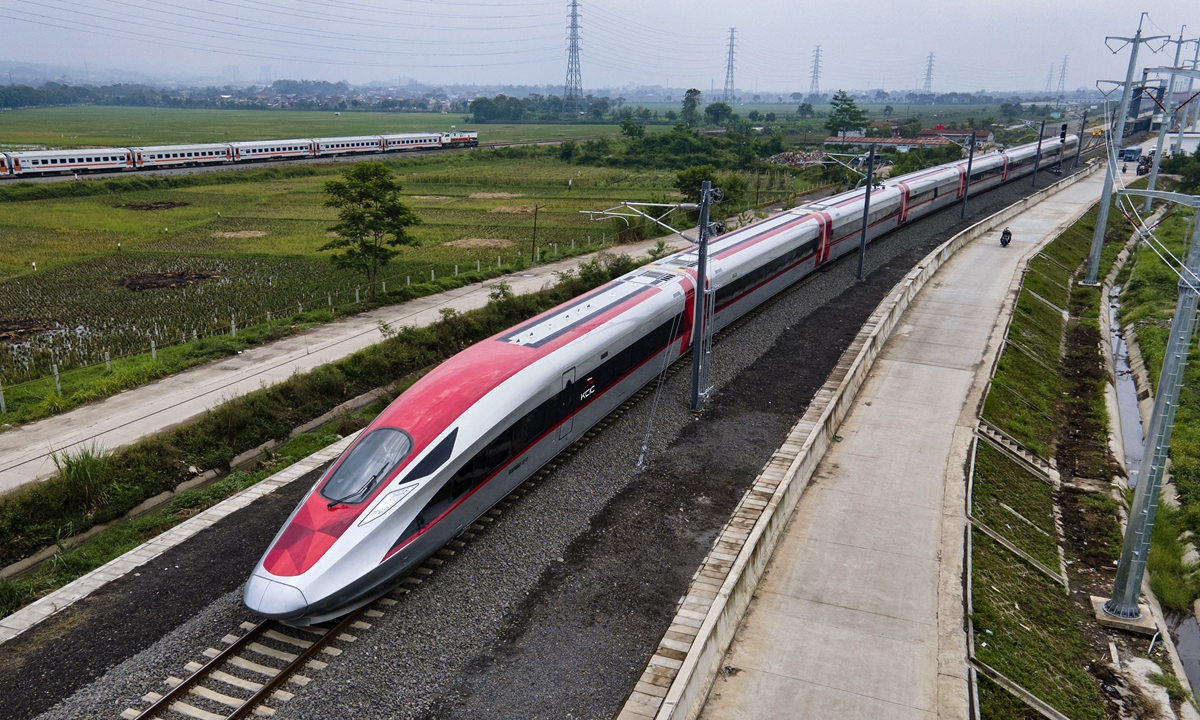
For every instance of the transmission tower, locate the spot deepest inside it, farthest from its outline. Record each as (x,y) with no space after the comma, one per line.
(573,92)
(929,74)
(814,87)
(1062,77)
(727,96)
(1049,78)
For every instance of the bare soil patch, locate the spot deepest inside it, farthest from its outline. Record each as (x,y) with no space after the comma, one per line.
(430,197)
(159,205)
(480,243)
(153,281)
(14,330)
(512,209)
(493,196)
(240,234)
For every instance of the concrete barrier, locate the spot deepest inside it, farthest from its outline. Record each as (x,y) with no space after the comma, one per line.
(678,675)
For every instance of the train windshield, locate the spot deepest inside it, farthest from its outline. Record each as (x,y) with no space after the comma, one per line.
(368,464)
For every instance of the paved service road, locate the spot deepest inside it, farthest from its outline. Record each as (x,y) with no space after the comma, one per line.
(25,451)
(860,611)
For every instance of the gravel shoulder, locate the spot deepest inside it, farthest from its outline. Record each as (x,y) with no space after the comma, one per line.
(551,611)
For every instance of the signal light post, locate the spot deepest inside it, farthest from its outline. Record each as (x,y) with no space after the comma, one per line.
(1038,158)
(962,215)
(862,240)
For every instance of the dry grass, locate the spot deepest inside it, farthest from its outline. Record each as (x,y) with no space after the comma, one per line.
(493,195)
(480,243)
(240,234)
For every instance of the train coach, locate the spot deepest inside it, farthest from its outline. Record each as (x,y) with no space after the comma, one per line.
(60,162)
(474,428)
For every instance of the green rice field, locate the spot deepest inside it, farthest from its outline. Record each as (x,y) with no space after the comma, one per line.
(105,126)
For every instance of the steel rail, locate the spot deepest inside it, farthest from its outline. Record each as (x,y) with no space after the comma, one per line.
(180,690)
(268,689)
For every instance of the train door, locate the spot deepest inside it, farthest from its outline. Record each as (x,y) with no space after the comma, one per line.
(1004,170)
(3,164)
(16,166)
(825,221)
(568,403)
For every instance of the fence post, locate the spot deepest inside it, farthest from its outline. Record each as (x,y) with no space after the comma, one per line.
(431,275)
(57,385)
(497,261)
(477,268)
(153,350)
(3,407)
(232,327)
(384,286)
(407,280)
(572,243)
(329,298)
(456,270)
(555,249)
(356,295)
(108,363)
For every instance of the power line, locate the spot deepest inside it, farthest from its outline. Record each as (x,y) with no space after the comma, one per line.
(727,96)
(573,91)
(929,74)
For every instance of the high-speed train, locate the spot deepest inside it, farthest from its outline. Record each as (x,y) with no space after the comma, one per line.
(467,433)
(58,162)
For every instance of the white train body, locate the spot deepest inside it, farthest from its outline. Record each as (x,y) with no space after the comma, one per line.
(59,162)
(153,156)
(470,431)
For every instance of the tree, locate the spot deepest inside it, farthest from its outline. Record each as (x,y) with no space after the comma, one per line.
(909,128)
(717,113)
(769,117)
(690,112)
(845,115)
(632,128)
(796,97)
(688,182)
(888,110)
(806,110)
(371,219)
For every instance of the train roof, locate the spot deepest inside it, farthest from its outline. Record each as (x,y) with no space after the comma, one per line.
(180,148)
(249,143)
(65,153)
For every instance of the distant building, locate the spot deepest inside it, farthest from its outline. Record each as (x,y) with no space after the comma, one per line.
(898,143)
(982,137)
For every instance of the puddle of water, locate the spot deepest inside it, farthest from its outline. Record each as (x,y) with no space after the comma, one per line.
(1186,634)
(1127,405)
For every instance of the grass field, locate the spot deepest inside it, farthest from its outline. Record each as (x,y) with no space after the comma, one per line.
(104,126)
(259,245)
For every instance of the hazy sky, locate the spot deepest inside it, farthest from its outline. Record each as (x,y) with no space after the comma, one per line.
(978,44)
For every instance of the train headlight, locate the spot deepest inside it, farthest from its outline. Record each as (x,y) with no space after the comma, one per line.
(387,502)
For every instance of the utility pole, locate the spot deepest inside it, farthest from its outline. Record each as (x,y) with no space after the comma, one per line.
(1093,266)
(1166,120)
(1188,111)
(573,91)
(1038,158)
(700,319)
(1079,145)
(1062,78)
(929,74)
(1128,585)
(814,85)
(727,96)
(533,244)
(862,240)
(970,159)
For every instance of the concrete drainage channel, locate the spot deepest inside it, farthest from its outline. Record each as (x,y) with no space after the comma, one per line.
(479,593)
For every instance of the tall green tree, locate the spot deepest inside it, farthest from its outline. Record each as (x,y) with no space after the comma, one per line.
(690,112)
(632,128)
(845,116)
(806,110)
(717,113)
(372,221)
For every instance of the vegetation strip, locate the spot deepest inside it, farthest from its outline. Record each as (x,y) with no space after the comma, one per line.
(1028,635)
(675,687)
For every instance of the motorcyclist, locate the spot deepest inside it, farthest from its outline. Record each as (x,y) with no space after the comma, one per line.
(1005,237)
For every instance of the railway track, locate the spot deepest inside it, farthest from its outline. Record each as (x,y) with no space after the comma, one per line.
(259,670)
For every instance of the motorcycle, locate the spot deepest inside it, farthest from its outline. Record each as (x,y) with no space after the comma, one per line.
(1005,237)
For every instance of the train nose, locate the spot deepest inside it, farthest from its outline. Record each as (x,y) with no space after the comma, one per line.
(274,599)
